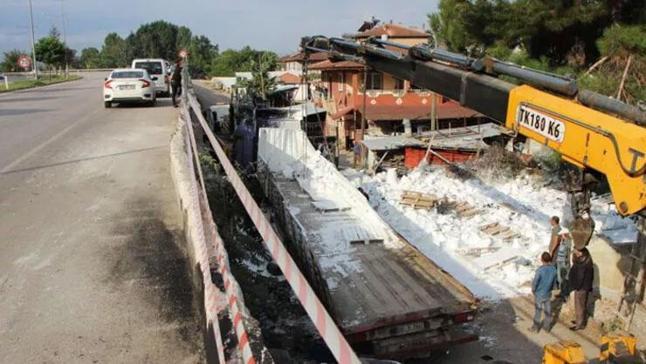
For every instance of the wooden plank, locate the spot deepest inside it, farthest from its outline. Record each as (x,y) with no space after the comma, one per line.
(496,259)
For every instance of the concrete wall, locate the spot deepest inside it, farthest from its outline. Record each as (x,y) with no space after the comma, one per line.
(610,261)
(186,187)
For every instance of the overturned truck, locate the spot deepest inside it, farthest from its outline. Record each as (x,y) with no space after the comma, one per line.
(388,299)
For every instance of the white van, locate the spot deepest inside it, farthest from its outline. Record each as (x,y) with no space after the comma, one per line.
(159,68)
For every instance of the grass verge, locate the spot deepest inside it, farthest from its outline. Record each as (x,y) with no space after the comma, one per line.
(44,81)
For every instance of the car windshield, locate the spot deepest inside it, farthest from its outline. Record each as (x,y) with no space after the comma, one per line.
(154,68)
(128,74)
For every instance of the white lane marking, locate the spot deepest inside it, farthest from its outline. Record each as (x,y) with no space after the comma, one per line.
(46,143)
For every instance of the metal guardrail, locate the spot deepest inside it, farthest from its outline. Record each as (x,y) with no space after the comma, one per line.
(321,319)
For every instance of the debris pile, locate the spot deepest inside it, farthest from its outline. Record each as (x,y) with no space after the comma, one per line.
(486,234)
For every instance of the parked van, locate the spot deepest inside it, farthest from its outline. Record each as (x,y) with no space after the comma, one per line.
(159,68)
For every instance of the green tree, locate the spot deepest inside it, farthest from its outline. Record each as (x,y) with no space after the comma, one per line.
(231,61)
(564,32)
(10,61)
(202,52)
(184,37)
(71,58)
(155,40)
(623,48)
(261,85)
(90,58)
(114,52)
(51,51)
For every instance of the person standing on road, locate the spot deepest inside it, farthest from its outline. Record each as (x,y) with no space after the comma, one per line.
(580,280)
(563,257)
(542,286)
(555,222)
(176,81)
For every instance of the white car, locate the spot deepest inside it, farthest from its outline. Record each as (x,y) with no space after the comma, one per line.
(129,85)
(159,68)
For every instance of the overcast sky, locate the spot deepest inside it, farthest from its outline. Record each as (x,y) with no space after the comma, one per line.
(267,24)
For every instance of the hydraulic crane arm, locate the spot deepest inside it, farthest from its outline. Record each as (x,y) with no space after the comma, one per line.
(585,137)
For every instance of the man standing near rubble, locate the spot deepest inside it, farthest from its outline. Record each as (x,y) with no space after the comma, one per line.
(580,280)
(555,222)
(542,286)
(563,257)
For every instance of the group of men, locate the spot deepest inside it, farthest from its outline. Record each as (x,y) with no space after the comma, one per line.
(568,268)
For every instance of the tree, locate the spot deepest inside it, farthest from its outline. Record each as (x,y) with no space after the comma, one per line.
(155,40)
(10,61)
(231,61)
(51,51)
(114,52)
(54,32)
(90,58)
(563,31)
(184,37)
(623,49)
(202,52)
(261,85)
(71,58)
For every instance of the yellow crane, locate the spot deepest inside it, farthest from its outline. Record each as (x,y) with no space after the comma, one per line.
(589,130)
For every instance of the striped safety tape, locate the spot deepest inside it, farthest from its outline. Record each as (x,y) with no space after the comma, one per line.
(213,237)
(201,254)
(322,320)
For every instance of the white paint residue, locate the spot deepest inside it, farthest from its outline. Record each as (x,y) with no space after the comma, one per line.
(459,246)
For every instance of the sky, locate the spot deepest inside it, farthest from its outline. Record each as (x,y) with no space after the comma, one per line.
(264,24)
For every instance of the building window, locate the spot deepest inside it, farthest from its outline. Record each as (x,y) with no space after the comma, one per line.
(399,84)
(341,82)
(375,81)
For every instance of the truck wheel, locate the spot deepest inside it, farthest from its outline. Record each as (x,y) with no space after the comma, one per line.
(107,104)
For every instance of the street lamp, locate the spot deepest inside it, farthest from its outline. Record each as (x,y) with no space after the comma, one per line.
(64,39)
(33,44)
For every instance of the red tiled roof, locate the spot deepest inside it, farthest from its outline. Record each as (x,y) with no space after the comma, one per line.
(289,79)
(453,110)
(392,30)
(329,65)
(300,57)
(448,110)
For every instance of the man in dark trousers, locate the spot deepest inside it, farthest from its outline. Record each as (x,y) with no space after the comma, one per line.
(542,286)
(555,223)
(176,81)
(580,281)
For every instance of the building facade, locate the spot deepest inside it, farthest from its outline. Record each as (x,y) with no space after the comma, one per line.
(389,106)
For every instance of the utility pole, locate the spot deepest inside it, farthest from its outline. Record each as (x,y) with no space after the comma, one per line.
(365,99)
(33,43)
(64,39)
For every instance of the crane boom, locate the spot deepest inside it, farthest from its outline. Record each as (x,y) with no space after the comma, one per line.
(585,137)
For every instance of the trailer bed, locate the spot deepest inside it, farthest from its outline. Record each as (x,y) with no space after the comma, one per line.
(389,300)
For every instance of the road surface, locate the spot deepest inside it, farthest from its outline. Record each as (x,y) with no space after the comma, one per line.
(92,268)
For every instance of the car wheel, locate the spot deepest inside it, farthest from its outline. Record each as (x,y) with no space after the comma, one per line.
(107,104)
(153,102)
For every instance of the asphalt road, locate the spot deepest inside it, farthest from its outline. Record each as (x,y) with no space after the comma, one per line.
(91,262)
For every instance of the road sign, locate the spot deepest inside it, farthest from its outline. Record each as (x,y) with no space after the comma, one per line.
(183,53)
(24,61)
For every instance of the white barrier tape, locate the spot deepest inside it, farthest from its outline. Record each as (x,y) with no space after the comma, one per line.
(210,294)
(212,236)
(322,320)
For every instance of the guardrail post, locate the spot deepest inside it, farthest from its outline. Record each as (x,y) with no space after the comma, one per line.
(6,82)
